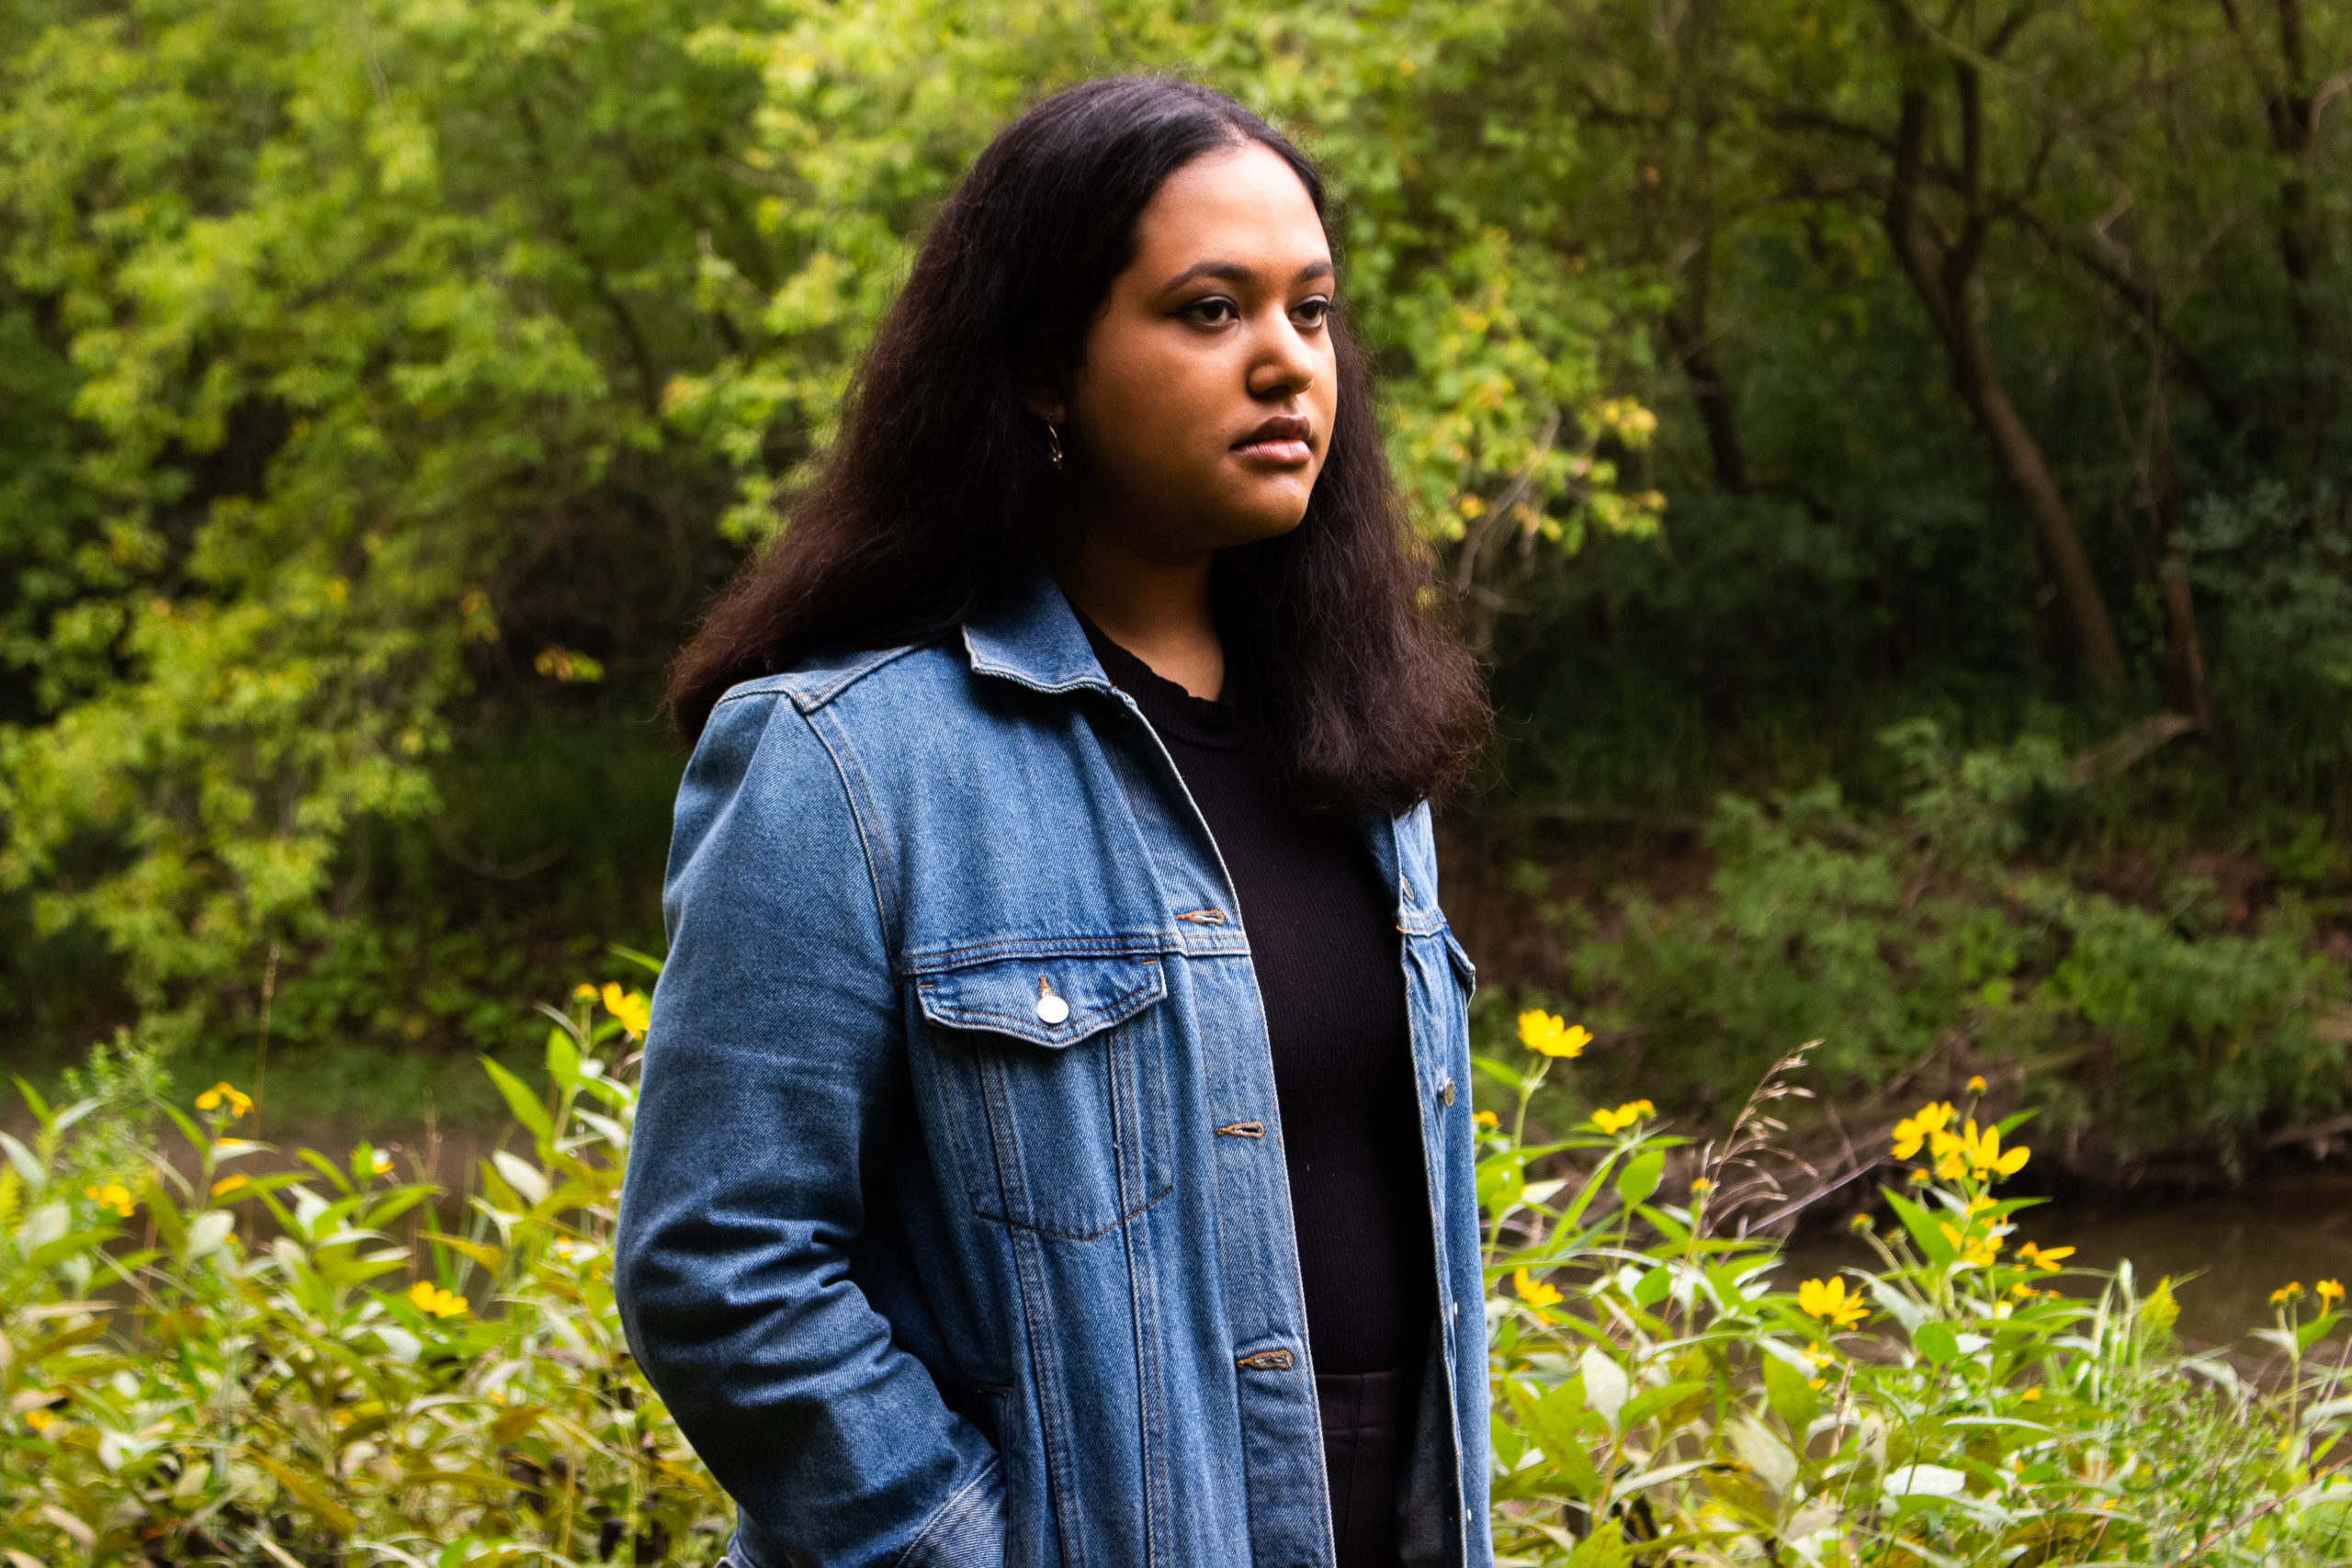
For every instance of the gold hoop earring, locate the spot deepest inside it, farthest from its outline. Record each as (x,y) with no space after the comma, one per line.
(1054,447)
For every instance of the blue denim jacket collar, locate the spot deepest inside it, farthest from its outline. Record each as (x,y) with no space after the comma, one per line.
(1034,637)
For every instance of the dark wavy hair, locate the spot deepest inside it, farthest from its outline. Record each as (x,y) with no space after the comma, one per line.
(937,499)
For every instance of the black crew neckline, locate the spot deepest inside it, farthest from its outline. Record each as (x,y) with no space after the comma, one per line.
(1211,724)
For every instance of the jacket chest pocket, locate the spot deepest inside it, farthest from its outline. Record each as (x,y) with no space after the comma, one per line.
(1055,1078)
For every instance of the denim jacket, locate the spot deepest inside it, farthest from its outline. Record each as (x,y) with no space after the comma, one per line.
(957,1227)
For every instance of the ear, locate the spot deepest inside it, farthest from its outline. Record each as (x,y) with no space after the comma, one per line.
(1041,391)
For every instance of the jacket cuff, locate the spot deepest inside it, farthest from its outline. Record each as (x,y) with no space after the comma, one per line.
(968,1529)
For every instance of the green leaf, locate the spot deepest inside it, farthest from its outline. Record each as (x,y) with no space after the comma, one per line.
(1606,1387)
(331,1514)
(1604,1548)
(169,1224)
(1509,1077)
(1789,1391)
(29,1168)
(1655,1286)
(33,1101)
(645,961)
(1555,1419)
(520,1101)
(206,1234)
(564,1058)
(1502,1179)
(1768,1457)
(1935,1342)
(1923,1227)
(489,1256)
(525,1177)
(1640,1176)
(1652,1401)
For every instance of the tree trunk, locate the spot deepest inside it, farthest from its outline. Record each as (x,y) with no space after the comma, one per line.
(1942,272)
(2020,459)
(2185,689)
(1686,334)
(2290,107)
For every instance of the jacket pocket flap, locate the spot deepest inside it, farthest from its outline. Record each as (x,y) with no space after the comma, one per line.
(1047,1001)
(1462,965)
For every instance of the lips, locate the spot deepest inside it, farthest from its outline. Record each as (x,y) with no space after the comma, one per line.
(1281,440)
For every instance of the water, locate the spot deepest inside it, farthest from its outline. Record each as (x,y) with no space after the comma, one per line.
(2238,1247)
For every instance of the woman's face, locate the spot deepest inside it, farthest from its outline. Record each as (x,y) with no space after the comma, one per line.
(1201,411)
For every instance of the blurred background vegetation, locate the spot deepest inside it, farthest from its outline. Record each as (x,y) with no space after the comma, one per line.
(1893,455)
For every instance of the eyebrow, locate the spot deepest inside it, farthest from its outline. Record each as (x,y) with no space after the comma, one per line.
(1234,272)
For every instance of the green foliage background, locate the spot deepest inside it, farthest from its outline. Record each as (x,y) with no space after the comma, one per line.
(384,387)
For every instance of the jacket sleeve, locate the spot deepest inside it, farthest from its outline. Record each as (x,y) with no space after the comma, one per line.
(774,1052)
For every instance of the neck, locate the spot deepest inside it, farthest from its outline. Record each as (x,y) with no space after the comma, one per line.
(1155,607)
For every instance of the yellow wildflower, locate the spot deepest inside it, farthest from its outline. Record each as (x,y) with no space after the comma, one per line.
(380,1163)
(2022,1290)
(212,1098)
(2329,1291)
(631,1007)
(1486,1118)
(1861,1221)
(1552,1034)
(1817,1383)
(1533,1292)
(1910,1133)
(1820,1358)
(432,1298)
(2031,1395)
(1827,1300)
(584,991)
(2046,1258)
(113,1195)
(1625,1116)
(1982,1153)
(2287,1291)
(1916,1178)
(41,1421)
(1972,1248)
(227,1184)
(1701,1185)
(1976,1085)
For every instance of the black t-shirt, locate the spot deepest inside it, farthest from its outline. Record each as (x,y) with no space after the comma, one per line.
(1323,938)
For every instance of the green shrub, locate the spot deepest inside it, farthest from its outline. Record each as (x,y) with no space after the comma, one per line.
(203,1365)
(1895,939)
(1658,1399)
(183,1385)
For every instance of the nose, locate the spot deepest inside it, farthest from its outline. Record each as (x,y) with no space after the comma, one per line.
(1284,365)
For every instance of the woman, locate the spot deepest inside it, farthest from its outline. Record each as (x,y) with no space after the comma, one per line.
(1054,1144)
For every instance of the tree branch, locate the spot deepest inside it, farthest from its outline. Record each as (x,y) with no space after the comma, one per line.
(2144,299)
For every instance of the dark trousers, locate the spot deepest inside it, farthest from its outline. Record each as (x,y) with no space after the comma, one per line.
(1367,1434)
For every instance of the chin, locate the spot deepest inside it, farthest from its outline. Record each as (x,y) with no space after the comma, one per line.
(1254,527)
(1249,519)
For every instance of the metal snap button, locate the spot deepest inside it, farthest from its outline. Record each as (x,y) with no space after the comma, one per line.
(1051,1009)
(1445,1091)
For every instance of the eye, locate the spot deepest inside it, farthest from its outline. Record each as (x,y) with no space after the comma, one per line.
(1311,313)
(1215,311)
